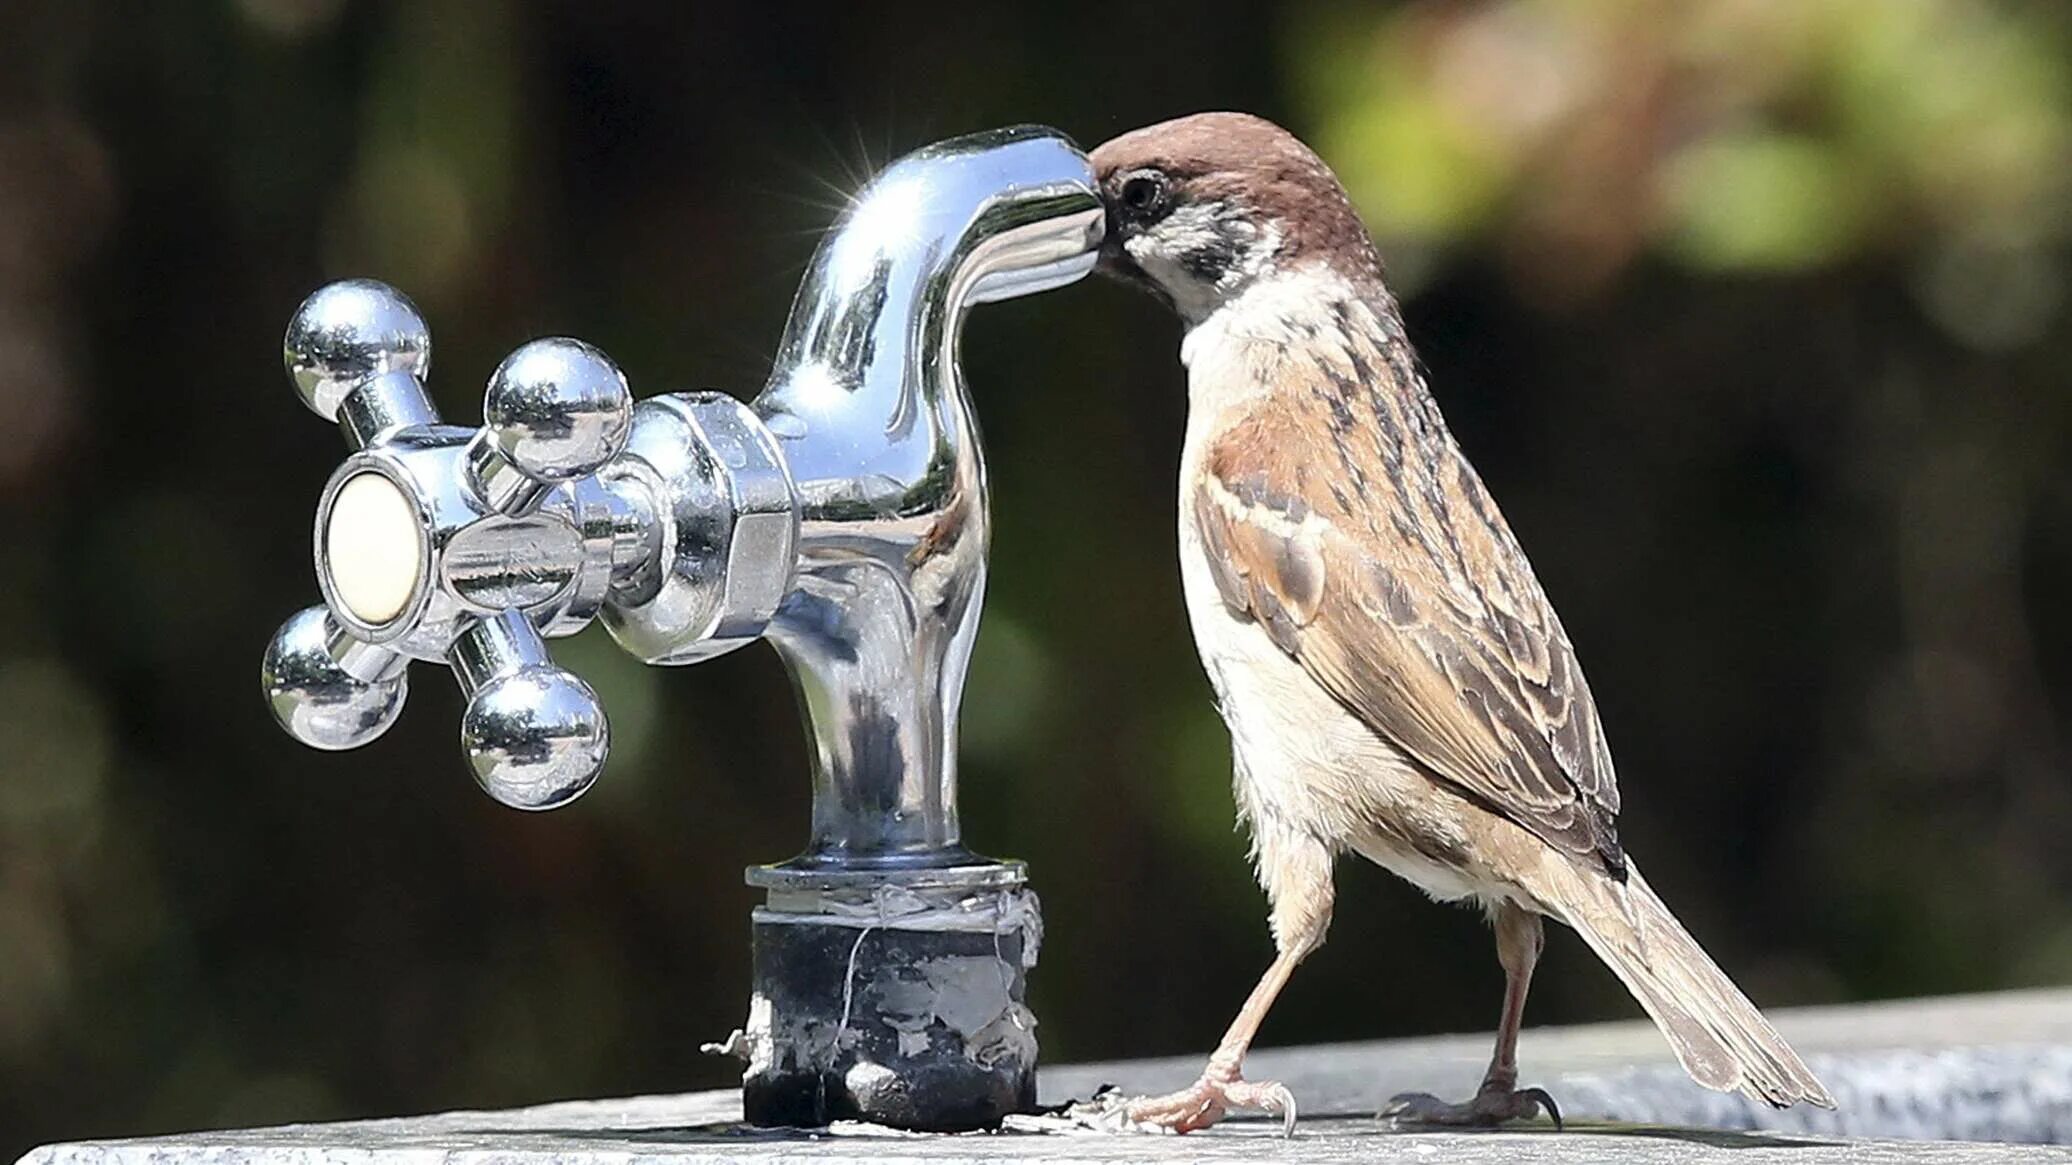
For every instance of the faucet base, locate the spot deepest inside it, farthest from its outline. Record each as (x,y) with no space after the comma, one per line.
(899,999)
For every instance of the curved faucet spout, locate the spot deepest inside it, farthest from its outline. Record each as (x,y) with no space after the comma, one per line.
(869,404)
(869,352)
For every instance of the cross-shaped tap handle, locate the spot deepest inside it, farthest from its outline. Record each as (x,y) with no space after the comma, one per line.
(437,543)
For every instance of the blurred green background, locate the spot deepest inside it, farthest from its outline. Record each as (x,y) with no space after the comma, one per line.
(1753,313)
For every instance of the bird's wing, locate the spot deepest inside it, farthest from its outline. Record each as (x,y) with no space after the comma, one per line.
(1381,564)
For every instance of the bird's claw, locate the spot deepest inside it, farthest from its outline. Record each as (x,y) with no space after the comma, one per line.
(1209,1100)
(1492,1106)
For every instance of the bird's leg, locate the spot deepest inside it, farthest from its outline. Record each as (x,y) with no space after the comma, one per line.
(1297,873)
(1222,1085)
(1499,1099)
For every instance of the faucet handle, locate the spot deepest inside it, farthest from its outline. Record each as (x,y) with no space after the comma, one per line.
(555,410)
(439,544)
(535,734)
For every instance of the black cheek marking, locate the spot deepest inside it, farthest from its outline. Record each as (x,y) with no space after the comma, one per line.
(1210,263)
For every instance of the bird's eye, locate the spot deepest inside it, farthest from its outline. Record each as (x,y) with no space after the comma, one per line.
(1144,193)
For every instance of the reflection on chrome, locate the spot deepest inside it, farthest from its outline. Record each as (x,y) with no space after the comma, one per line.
(842,513)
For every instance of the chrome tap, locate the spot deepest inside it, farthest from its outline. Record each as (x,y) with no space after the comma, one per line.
(869,405)
(842,515)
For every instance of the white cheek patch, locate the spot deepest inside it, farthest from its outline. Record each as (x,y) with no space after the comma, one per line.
(1192,230)
(373,547)
(1191,227)
(1158,253)
(1258,254)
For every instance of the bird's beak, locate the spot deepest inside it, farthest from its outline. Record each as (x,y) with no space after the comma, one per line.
(1115,262)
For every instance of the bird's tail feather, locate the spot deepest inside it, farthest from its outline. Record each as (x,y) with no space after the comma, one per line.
(1717,1034)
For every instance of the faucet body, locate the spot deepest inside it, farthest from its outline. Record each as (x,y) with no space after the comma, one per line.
(842,515)
(869,404)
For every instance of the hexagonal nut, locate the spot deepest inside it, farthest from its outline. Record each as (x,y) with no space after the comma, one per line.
(728,519)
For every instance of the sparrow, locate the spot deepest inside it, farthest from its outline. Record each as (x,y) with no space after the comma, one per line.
(1395,682)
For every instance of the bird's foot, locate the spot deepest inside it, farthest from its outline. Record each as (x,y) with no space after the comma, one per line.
(1209,1100)
(1493,1105)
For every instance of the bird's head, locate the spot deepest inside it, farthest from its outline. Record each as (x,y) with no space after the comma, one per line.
(1202,208)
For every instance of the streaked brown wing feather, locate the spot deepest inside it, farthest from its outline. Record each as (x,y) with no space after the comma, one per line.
(1409,600)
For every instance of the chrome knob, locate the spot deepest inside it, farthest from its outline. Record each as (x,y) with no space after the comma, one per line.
(349,333)
(327,689)
(536,738)
(555,410)
(534,734)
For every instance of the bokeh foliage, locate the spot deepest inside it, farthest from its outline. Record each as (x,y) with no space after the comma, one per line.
(1752,312)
